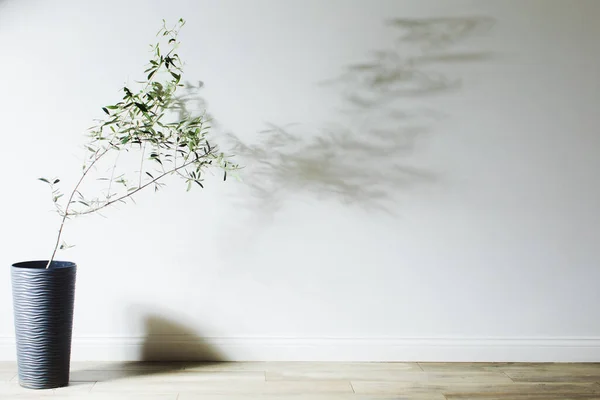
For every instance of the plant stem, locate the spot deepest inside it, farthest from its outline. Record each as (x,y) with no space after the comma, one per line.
(136,190)
(142,164)
(112,175)
(66,212)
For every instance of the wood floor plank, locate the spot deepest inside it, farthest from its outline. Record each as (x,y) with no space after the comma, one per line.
(227,388)
(132,366)
(527,389)
(340,371)
(465,367)
(301,366)
(75,388)
(10,390)
(8,366)
(7,376)
(99,396)
(573,367)
(227,366)
(488,396)
(553,372)
(115,396)
(196,396)
(473,387)
(341,366)
(177,376)
(552,377)
(449,378)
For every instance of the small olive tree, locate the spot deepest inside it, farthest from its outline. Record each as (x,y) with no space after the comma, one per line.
(151,123)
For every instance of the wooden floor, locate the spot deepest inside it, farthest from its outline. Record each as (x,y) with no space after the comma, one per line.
(317,381)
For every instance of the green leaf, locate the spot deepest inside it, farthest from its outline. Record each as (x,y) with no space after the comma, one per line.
(142,107)
(154,156)
(105,110)
(198,182)
(176,76)
(44,180)
(189,186)
(149,174)
(56,181)
(224,175)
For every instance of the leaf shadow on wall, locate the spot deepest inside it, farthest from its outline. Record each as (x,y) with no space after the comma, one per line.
(366,159)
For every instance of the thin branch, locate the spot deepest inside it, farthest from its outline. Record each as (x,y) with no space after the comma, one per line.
(142,164)
(66,212)
(112,175)
(138,189)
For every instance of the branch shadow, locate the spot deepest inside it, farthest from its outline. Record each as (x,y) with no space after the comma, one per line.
(168,346)
(365,156)
(367,160)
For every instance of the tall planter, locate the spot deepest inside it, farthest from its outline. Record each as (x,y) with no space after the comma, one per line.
(43,301)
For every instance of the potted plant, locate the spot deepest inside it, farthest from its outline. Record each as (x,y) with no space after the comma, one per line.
(149,131)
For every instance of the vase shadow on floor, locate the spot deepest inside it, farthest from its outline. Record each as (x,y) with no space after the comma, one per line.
(168,347)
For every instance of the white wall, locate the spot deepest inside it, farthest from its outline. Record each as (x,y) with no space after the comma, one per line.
(491,255)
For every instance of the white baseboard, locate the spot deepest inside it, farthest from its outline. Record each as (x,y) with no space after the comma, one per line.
(185,347)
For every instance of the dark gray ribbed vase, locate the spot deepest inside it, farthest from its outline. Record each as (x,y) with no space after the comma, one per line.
(43,301)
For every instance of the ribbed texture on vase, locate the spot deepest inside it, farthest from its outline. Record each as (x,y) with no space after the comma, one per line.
(43,301)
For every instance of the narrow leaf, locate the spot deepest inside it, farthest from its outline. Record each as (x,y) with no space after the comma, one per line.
(142,107)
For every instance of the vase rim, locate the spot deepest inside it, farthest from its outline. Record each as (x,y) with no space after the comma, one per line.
(41,264)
